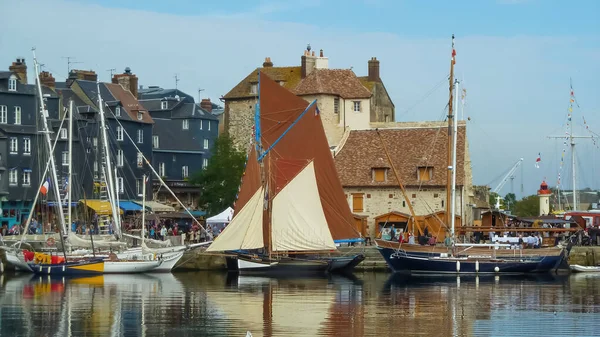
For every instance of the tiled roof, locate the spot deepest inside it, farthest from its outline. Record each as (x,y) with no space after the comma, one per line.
(364,80)
(341,82)
(290,76)
(129,102)
(409,148)
(5,74)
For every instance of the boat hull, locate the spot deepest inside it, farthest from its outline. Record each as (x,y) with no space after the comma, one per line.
(401,261)
(345,264)
(84,267)
(282,267)
(130,267)
(584,269)
(17,261)
(168,262)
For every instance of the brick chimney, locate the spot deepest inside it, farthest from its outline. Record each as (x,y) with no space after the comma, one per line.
(206,104)
(267,63)
(374,70)
(308,62)
(86,75)
(127,80)
(47,80)
(20,69)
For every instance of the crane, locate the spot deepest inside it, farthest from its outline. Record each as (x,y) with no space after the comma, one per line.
(505,179)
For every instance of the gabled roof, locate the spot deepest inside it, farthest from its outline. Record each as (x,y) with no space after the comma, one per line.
(290,76)
(5,74)
(410,148)
(192,110)
(157,92)
(129,103)
(340,82)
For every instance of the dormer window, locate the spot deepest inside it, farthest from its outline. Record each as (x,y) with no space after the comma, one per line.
(63,133)
(424,173)
(164,105)
(12,83)
(118,111)
(140,115)
(254,88)
(379,174)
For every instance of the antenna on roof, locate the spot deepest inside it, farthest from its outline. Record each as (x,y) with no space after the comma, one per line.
(176,81)
(112,71)
(199,95)
(69,62)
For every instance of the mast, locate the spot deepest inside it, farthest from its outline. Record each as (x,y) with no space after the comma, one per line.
(449,173)
(46,132)
(108,171)
(573,165)
(143,207)
(454,136)
(69,177)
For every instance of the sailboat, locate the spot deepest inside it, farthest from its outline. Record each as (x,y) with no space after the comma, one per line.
(291,206)
(463,258)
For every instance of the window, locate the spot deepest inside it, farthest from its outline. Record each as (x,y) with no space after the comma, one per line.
(120,185)
(254,88)
(26,146)
(140,160)
(65,158)
(205,163)
(138,187)
(119,157)
(13,178)
(18,115)
(140,115)
(140,136)
(184,172)
(357,202)
(336,105)
(95,166)
(185,124)
(356,106)
(208,122)
(3,114)
(26,177)
(161,169)
(118,111)
(164,105)
(379,175)
(155,142)
(119,135)
(205,144)
(95,142)
(201,124)
(88,139)
(63,133)
(424,173)
(12,83)
(14,145)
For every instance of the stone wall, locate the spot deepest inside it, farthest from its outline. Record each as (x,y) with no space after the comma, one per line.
(239,121)
(382,108)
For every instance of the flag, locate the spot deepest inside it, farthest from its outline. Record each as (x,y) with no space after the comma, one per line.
(45,187)
(538,160)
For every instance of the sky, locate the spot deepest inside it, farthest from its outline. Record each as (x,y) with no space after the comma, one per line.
(515,58)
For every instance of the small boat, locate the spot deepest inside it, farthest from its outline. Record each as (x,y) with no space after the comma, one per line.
(584,269)
(282,266)
(130,266)
(81,267)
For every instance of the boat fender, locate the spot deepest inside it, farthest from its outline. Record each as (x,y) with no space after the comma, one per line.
(477,266)
(457,266)
(496,269)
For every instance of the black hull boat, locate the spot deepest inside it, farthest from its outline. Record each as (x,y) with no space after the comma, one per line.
(298,265)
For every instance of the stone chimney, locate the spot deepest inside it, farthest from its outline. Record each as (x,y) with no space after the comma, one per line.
(127,80)
(374,70)
(267,63)
(206,104)
(86,75)
(20,69)
(308,62)
(47,80)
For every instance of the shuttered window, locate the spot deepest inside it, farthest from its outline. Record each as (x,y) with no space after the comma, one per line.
(357,202)
(379,174)
(424,173)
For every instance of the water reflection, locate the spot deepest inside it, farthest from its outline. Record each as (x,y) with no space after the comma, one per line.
(216,304)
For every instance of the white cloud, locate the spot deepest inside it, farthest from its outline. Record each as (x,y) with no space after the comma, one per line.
(517,86)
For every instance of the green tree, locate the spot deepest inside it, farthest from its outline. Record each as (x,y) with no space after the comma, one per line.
(492,199)
(509,201)
(528,206)
(220,180)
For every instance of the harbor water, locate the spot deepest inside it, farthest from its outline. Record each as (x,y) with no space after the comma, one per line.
(367,304)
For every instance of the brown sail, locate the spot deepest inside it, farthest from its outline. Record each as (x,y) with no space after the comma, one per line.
(250,182)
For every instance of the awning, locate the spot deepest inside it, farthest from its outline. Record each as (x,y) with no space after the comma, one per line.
(156,206)
(197,214)
(101,207)
(128,206)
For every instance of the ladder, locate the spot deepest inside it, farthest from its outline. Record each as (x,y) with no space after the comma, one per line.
(104,210)
(64,202)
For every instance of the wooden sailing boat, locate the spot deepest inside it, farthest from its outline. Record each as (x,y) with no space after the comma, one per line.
(463,258)
(291,207)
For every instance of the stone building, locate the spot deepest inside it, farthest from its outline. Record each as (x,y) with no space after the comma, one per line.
(419,153)
(345,101)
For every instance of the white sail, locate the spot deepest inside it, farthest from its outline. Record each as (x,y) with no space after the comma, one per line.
(298,221)
(245,231)
(76,241)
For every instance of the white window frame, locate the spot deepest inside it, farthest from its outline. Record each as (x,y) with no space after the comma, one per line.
(140,135)
(185,124)
(208,125)
(161,169)
(63,133)
(140,115)
(17,115)
(95,141)
(201,124)
(95,166)
(254,88)
(336,105)
(120,185)
(206,143)
(14,145)
(356,105)
(13,177)
(26,178)
(65,158)
(12,83)
(204,163)
(164,105)
(119,135)
(138,187)
(185,172)
(120,159)
(27,146)
(118,111)
(3,114)
(155,141)
(140,160)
